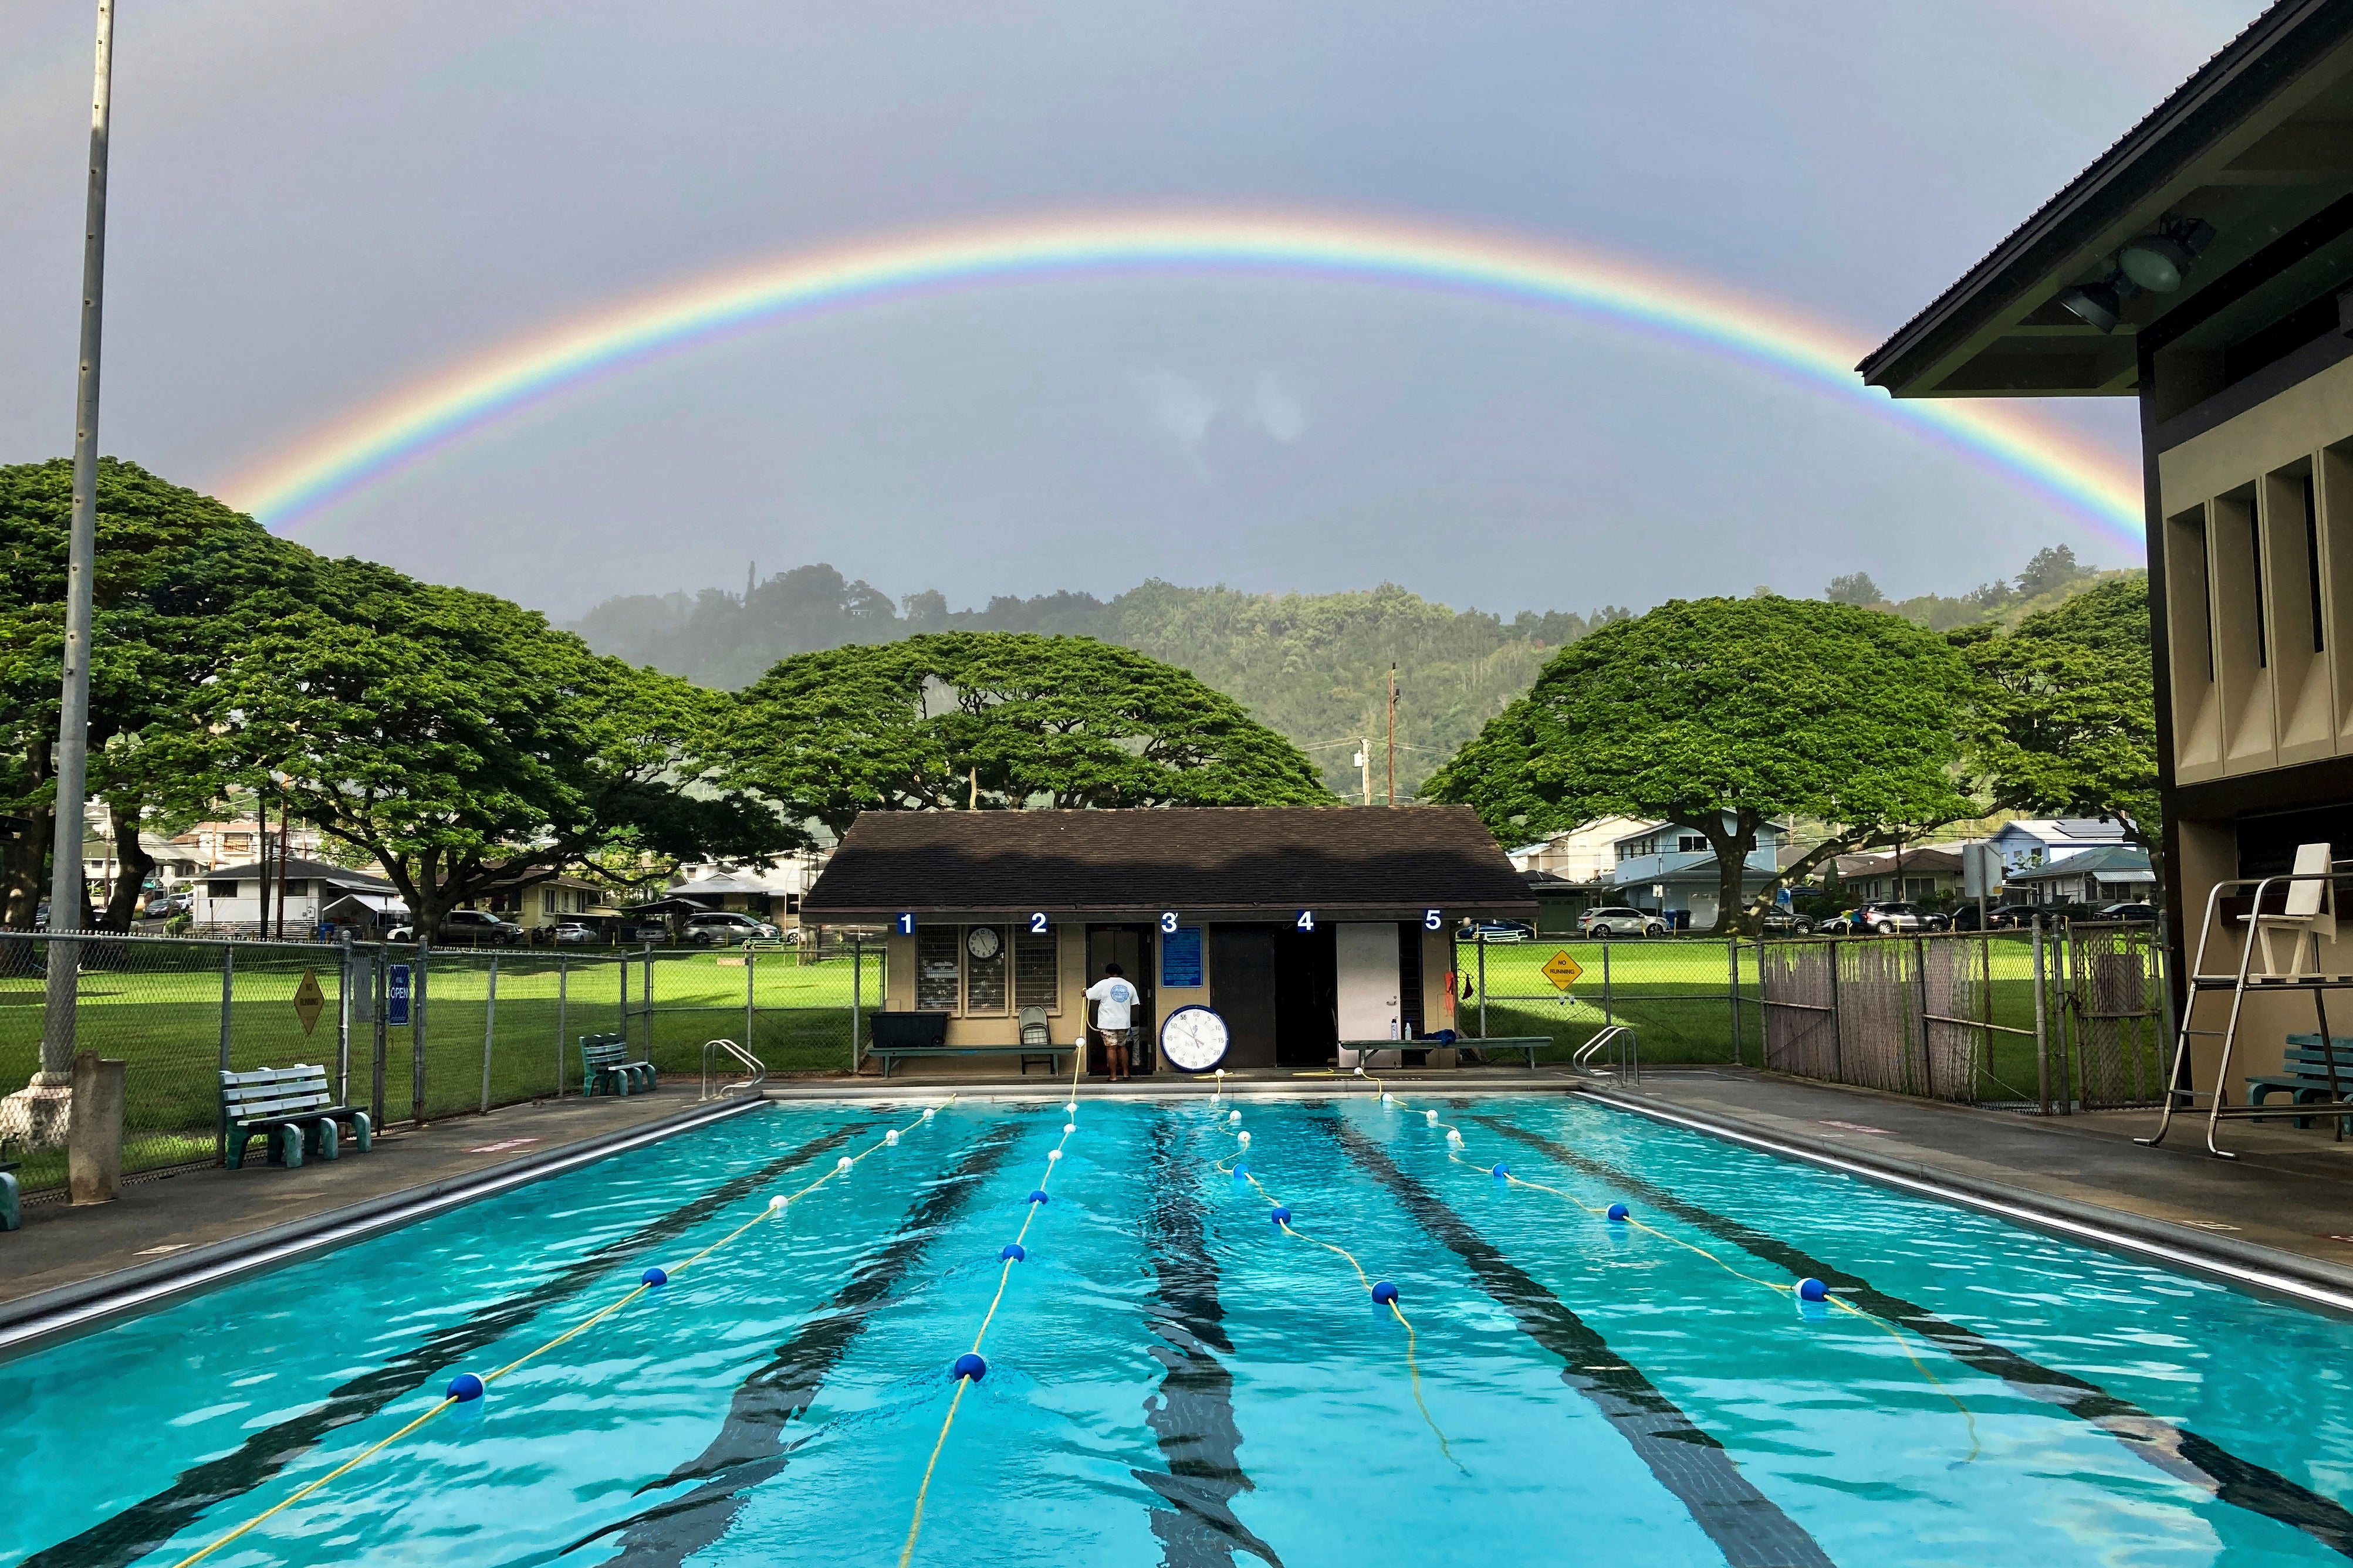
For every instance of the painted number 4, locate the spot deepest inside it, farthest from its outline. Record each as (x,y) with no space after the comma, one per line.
(1306,921)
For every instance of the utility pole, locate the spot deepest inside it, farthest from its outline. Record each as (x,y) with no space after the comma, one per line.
(1364,764)
(67,892)
(1392,733)
(284,827)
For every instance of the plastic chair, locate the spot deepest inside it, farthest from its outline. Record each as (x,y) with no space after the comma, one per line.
(1033,1026)
(2309,911)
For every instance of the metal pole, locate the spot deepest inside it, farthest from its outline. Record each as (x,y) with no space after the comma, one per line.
(343,1025)
(562,979)
(1838,1020)
(1927,1030)
(1731,962)
(228,998)
(489,1030)
(1482,940)
(375,1083)
(857,993)
(1609,1007)
(416,1033)
(2041,1027)
(751,962)
(67,891)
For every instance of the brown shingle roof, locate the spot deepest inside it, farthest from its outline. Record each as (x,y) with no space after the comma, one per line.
(1200,861)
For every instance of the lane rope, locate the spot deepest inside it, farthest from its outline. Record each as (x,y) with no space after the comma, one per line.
(1453,1151)
(774,1209)
(1012,1254)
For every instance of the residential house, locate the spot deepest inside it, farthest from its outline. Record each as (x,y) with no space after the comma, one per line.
(238,899)
(2114,873)
(1587,856)
(2032,843)
(1900,876)
(545,905)
(771,890)
(1669,868)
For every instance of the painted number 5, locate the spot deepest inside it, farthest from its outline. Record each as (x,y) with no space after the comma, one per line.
(1038,924)
(1306,921)
(1168,922)
(1432,920)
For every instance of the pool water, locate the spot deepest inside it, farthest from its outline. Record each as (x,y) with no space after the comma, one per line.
(1174,1378)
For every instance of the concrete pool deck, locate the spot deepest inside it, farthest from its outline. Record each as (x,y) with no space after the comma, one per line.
(2284,1208)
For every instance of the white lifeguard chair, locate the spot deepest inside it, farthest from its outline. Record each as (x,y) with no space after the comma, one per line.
(2309,911)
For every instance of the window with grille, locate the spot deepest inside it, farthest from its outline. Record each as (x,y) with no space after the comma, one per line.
(1037,972)
(985,978)
(937,970)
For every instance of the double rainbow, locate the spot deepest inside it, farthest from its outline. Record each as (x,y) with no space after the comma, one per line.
(371,444)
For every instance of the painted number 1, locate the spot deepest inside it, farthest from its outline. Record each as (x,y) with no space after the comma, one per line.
(1038,924)
(906,924)
(1168,922)
(1306,921)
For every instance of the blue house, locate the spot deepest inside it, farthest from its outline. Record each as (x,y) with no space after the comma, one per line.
(1667,867)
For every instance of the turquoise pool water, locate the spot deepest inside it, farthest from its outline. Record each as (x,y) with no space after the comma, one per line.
(1173,1378)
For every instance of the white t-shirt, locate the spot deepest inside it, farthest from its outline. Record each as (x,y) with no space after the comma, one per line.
(1113,997)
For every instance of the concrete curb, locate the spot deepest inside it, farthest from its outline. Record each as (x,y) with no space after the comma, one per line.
(2265,1270)
(47,1316)
(1167,1086)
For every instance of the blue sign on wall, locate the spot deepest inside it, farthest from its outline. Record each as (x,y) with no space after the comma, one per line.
(397,996)
(1181,957)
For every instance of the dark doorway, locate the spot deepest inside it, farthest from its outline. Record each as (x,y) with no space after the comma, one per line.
(1130,947)
(1306,997)
(1241,969)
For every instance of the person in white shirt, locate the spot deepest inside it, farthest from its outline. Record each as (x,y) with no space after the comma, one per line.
(1114,1001)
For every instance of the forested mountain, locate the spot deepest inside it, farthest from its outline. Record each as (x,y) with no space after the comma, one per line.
(1315,667)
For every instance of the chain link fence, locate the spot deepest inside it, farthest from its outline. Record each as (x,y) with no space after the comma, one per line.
(406,1033)
(1687,999)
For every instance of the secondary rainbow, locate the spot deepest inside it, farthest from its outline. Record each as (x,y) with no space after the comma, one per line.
(371,444)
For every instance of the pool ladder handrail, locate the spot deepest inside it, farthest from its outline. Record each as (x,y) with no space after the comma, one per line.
(759,1069)
(1625,1053)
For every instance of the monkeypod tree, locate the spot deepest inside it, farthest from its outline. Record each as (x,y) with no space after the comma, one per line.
(998,720)
(1719,715)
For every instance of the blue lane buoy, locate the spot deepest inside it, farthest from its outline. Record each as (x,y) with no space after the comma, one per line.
(653,1276)
(971,1365)
(1619,1211)
(1038,1197)
(1241,1172)
(465,1388)
(1385,1292)
(1282,1216)
(1012,1253)
(1812,1290)
(1501,1170)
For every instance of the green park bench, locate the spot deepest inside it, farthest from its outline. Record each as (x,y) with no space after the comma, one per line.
(605,1065)
(2304,1080)
(9,1218)
(292,1108)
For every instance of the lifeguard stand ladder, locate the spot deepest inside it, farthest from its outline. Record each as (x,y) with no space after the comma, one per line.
(2305,907)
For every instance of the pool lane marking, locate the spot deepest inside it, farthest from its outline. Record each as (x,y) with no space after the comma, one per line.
(2197,1461)
(751,1448)
(1691,1463)
(1004,1274)
(1194,1420)
(137,1531)
(774,1209)
(1412,1360)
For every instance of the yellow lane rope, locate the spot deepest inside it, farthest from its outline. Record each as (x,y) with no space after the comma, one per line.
(1412,1361)
(1004,1274)
(775,1208)
(1902,1344)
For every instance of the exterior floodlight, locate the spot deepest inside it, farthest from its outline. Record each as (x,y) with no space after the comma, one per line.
(2095,303)
(2156,263)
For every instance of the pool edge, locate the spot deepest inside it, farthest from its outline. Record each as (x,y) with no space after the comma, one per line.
(2250,1266)
(33,1323)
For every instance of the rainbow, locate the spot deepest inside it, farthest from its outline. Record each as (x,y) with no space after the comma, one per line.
(370,445)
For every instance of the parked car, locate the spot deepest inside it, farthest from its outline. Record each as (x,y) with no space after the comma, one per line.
(2133,913)
(1502,931)
(568,931)
(1617,919)
(1999,917)
(1885,918)
(1784,923)
(724,928)
(478,927)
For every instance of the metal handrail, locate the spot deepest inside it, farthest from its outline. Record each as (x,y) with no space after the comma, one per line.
(759,1069)
(1625,1052)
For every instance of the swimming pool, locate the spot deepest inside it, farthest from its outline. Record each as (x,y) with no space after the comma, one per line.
(1174,1378)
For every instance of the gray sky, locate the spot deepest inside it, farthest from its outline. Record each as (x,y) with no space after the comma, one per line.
(314,203)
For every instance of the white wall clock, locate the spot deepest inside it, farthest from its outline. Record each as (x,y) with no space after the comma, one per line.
(983,943)
(1193,1040)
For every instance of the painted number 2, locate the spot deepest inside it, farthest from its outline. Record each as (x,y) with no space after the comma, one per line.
(906,924)
(1306,921)
(1038,924)
(1168,922)
(1432,920)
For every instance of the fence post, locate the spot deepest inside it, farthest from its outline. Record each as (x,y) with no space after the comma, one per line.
(1732,963)
(1838,1020)
(563,980)
(343,1023)
(416,1033)
(377,1007)
(2041,1027)
(1764,1008)
(1482,938)
(857,991)
(750,962)
(1609,1008)
(1927,1030)
(489,1030)
(623,958)
(228,998)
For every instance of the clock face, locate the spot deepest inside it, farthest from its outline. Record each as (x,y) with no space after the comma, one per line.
(983,941)
(1193,1040)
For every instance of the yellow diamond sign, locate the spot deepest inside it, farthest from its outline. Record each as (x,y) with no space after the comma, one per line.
(308,1000)
(1562,970)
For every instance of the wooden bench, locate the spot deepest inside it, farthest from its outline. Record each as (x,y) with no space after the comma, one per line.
(10,1217)
(292,1108)
(605,1064)
(1053,1054)
(2305,1078)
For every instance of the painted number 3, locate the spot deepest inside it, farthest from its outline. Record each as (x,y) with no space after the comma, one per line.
(1168,921)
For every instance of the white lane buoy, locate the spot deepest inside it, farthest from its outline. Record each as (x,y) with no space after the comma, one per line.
(1385,1099)
(842,1165)
(1071,1108)
(1068,1128)
(1233,1116)
(1360,1069)
(1433,1117)
(1454,1137)
(929,1112)
(1052,1155)
(1244,1137)
(776,1205)
(892,1138)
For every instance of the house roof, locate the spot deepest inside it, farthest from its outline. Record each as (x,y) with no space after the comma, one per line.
(2059,829)
(2111,860)
(1246,862)
(300,871)
(2251,143)
(715,887)
(1924,861)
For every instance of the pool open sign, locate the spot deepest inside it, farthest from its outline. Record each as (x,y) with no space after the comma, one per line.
(308,1000)
(1562,970)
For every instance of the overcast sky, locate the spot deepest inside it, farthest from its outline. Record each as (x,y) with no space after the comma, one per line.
(314,203)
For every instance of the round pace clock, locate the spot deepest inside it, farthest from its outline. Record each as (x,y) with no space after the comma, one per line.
(983,943)
(1193,1040)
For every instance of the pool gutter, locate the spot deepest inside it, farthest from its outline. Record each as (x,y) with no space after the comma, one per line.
(2265,1270)
(32,1322)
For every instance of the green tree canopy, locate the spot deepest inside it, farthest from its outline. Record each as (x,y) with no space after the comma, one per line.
(1721,714)
(1022,719)
(2064,719)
